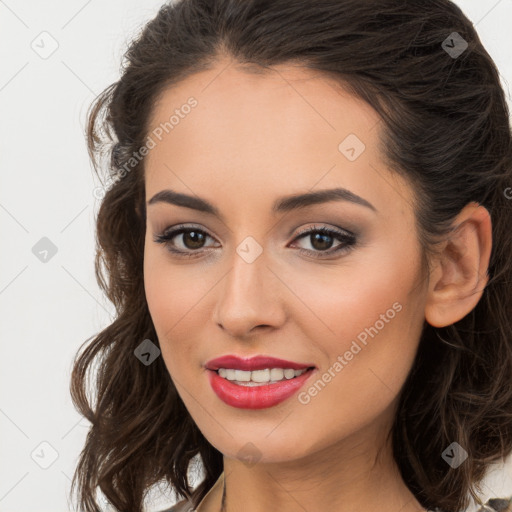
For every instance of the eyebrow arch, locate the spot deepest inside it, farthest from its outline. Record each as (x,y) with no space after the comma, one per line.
(284,204)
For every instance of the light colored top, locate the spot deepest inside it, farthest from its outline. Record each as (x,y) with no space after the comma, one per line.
(186,505)
(492,505)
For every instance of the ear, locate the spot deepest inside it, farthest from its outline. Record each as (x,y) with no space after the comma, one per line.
(459,271)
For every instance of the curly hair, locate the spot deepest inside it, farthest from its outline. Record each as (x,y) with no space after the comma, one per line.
(446,129)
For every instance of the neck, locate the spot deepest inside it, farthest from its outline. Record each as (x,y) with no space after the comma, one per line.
(342,478)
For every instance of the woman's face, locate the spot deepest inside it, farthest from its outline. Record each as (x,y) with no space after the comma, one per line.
(254,284)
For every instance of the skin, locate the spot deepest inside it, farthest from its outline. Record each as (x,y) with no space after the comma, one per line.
(251,139)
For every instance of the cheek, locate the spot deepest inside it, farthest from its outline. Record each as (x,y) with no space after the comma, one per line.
(175,302)
(167,293)
(342,300)
(369,309)
(163,296)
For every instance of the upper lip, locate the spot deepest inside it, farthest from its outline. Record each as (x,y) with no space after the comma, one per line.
(253,363)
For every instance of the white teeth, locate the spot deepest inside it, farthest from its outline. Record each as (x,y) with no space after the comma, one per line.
(257,377)
(260,375)
(242,376)
(276,374)
(289,373)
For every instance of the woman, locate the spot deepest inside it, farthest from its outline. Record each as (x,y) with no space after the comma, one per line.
(306,236)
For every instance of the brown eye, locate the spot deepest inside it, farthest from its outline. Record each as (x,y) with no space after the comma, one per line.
(192,240)
(321,240)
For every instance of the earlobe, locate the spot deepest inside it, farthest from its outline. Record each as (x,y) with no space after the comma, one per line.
(459,273)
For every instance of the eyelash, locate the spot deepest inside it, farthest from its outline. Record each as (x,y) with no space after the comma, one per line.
(347,237)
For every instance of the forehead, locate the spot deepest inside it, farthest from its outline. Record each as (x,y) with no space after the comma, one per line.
(232,96)
(285,129)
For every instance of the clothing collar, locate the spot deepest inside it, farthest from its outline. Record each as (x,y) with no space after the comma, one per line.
(218,484)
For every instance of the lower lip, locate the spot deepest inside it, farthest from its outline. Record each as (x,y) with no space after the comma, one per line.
(255,397)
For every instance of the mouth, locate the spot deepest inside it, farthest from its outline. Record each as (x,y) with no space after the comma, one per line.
(257,384)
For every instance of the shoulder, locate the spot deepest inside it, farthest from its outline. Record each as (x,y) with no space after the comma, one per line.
(182,506)
(186,505)
(498,505)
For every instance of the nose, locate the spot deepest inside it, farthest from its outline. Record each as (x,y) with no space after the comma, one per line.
(249,297)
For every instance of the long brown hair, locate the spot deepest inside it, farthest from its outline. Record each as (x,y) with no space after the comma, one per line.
(446,129)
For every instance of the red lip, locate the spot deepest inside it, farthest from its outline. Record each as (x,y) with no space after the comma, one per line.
(257,397)
(253,363)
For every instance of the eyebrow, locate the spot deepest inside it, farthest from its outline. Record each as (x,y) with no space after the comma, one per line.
(284,204)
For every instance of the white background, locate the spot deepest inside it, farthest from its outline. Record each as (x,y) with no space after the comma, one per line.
(49,309)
